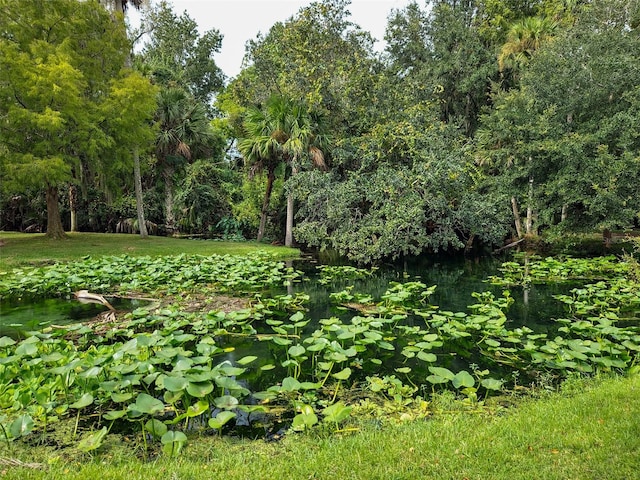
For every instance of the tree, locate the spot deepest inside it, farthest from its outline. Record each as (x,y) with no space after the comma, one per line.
(283,131)
(178,56)
(183,129)
(119,7)
(523,39)
(57,61)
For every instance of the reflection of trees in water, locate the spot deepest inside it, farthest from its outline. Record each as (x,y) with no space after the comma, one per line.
(457,279)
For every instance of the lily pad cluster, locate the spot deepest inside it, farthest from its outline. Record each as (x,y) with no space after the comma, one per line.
(165,371)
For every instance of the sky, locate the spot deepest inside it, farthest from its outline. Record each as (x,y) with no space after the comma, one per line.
(242,20)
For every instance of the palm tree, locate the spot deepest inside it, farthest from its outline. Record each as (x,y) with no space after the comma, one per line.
(184,127)
(524,38)
(282,131)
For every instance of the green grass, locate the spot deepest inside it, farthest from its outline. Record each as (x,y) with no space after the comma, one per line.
(35,249)
(591,431)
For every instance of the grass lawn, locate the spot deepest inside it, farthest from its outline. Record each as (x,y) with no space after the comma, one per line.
(589,431)
(36,249)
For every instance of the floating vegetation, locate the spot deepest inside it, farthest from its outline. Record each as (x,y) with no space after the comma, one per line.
(164,371)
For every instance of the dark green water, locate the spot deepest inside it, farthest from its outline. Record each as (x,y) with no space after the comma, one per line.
(26,315)
(456,280)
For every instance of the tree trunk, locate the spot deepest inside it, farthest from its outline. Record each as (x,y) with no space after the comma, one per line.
(271,176)
(564,214)
(73,207)
(529,224)
(288,237)
(137,180)
(169,218)
(54,222)
(516,216)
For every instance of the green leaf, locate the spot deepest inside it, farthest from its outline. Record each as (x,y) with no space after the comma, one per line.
(296,350)
(6,341)
(172,443)
(146,404)
(403,370)
(336,413)
(290,384)
(342,374)
(92,441)
(197,408)
(427,357)
(246,360)
(442,372)
(199,389)
(226,402)
(175,384)
(84,401)
(21,426)
(221,419)
(463,379)
(268,366)
(492,384)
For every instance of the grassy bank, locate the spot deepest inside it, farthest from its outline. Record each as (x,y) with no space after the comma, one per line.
(589,431)
(36,249)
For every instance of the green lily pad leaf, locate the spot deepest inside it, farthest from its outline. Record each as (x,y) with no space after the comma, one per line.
(442,372)
(221,419)
(336,413)
(114,415)
(376,361)
(27,349)
(199,389)
(385,345)
(172,443)
(92,441)
(146,404)
(296,317)
(342,374)
(463,379)
(197,408)
(155,427)
(172,397)
(6,341)
(403,370)
(21,426)
(247,360)
(281,341)
(121,397)
(92,372)
(175,384)
(296,350)
(290,384)
(268,366)
(305,419)
(427,357)
(491,384)
(84,401)
(226,402)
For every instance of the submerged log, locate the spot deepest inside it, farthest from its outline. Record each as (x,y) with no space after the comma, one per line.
(84,296)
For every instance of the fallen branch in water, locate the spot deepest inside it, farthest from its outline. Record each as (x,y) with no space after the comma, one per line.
(84,296)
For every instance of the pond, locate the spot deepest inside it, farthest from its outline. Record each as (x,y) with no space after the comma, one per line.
(18,317)
(308,347)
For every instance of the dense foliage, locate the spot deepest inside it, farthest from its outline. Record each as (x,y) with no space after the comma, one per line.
(482,120)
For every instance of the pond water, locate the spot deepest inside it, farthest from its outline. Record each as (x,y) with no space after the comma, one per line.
(456,279)
(21,316)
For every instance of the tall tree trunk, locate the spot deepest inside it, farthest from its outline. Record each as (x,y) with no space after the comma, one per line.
(54,222)
(529,224)
(137,180)
(169,218)
(516,216)
(564,213)
(73,207)
(288,236)
(271,176)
